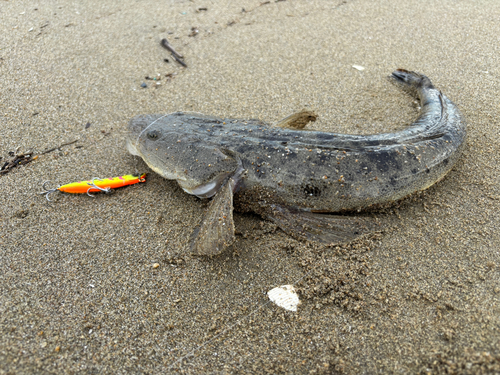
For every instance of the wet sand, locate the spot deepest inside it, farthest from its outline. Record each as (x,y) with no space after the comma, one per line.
(78,290)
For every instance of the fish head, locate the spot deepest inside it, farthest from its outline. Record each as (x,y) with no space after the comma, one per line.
(175,151)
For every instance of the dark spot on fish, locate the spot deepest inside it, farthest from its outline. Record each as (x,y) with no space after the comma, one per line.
(366,171)
(324,136)
(310,190)
(430,137)
(383,161)
(330,157)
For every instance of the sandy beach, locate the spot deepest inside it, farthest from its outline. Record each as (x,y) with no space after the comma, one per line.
(108,285)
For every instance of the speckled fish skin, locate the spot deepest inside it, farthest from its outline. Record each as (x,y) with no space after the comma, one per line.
(305,170)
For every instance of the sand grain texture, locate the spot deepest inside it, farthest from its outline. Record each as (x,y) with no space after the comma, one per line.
(78,289)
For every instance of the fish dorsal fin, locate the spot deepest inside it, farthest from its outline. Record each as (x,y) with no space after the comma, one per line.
(216,231)
(297,120)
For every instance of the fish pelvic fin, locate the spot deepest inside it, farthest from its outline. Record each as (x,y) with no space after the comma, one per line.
(326,228)
(216,230)
(297,120)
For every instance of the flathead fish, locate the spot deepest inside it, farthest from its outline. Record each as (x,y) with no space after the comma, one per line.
(294,177)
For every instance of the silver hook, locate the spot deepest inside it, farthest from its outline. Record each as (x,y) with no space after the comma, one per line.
(47,191)
(94,186)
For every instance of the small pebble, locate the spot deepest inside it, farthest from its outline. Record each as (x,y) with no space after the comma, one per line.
(143,85)
(156,265)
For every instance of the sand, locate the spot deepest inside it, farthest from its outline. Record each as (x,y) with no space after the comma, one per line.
(78,290)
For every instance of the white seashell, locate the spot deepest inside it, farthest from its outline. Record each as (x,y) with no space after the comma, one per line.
(358,67)
(284,296)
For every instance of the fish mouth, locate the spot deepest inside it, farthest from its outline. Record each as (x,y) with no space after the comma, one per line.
(206,190)
(131,148)
(203,191)
(209,189)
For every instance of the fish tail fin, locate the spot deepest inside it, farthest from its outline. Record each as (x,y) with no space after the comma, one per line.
(412,80)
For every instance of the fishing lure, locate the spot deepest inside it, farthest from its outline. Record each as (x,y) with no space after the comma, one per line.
(96,184)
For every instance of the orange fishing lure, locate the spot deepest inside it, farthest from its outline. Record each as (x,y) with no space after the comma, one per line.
(96,184)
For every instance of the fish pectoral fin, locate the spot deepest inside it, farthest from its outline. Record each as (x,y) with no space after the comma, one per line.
(216,230)
(298,120)
(325,228)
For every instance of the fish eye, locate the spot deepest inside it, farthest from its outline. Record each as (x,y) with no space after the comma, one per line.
(153,135)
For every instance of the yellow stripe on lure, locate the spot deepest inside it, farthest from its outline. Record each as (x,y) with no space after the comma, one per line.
(96,184)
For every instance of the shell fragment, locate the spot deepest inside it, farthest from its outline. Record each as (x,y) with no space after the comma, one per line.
(284,296)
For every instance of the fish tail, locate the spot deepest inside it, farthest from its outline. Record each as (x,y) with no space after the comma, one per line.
(412,80)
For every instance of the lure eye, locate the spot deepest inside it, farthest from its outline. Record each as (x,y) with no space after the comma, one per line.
(153,135)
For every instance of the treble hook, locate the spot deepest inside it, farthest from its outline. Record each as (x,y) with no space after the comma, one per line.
(47,191)
(94,186)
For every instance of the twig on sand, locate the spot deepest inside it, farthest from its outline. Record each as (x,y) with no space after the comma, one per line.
(19,159)
(179,61)
(58,147)
(25,158)
(176,55)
